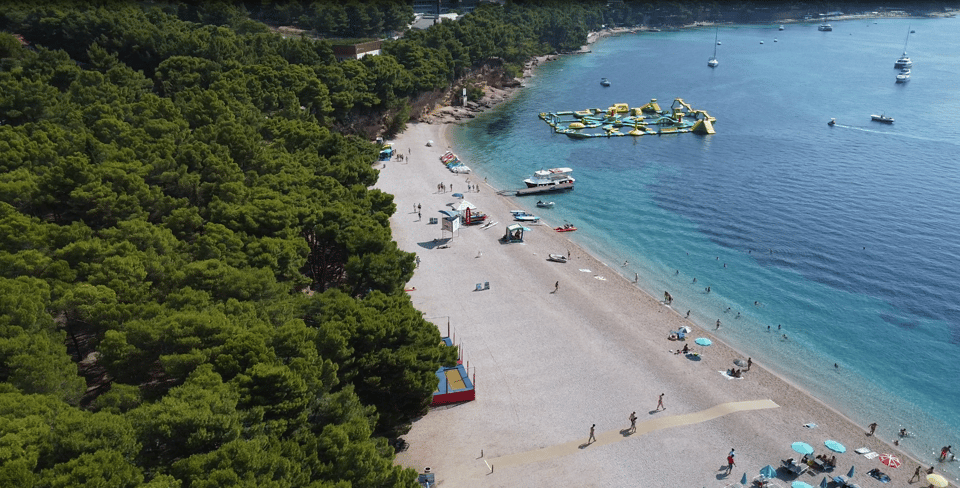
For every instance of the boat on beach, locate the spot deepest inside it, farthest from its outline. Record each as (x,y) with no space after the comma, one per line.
(882,118)
(557,258)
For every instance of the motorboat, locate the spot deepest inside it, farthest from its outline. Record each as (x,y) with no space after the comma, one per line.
(904,61)
(882,118)
(604,82)
(554,177)
(832,122)
(713,62)
(557,258)
(825,27)
(526,218)
(781,27)
(565,228)
(543,204)
(903,76)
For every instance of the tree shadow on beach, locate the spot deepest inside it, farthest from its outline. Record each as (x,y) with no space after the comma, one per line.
(435,243)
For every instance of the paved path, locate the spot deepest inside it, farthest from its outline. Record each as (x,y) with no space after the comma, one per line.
(610,437)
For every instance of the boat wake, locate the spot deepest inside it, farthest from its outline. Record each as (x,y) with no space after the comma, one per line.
(893,134)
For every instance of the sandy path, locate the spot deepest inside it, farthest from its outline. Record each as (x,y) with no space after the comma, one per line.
(549,365)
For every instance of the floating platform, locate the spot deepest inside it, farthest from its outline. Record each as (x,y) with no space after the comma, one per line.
(620,120)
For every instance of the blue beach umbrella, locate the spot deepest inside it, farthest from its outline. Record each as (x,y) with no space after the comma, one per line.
(824,483)
(703,341)
(743,480)
(800,484)
(768,471)
(802,447)
(835,446)
(850,473)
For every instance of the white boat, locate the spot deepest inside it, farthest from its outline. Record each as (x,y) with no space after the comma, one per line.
(604,82)
(558,258)
(904,61)
(525,217)
(882,118)
(781,26)
(554,177)
(713,63)
(903,76)
(543,204)
(825,27)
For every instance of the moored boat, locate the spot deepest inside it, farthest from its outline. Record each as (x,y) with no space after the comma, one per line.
(903,76)
(713,62)
(882,118)
(550,178)
(543,204)
(825,27)
(604,82)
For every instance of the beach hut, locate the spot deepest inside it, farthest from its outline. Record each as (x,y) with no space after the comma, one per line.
(514,233)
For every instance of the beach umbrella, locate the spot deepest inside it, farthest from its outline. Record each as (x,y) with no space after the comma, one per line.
(458,195)
(800,484)
(937,480)
(851,472)
(741,363)
(743,480)
(768,471)
(890,460)
(703,341)
(802,447)
(835,446)
(824,483)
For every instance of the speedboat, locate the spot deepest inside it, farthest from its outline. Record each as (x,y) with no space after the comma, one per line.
(554,177)
(557,258)
(781,26)
(832,122)
(604,82)
(825,27)
(543,204)
(903,76)
(882,118)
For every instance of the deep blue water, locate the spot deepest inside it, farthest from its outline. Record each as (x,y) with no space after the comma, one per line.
(847,237)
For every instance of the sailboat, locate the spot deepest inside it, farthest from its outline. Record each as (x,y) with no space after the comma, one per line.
(904,61)
(713,63)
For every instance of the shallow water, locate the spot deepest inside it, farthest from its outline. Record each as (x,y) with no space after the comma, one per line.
(847,237)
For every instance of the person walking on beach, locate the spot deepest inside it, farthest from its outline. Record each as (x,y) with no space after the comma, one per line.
(419,217)
(633,422)
(660,403)
(749,363)
(718,324)
(556,286)
(592,437)
(916,474)
(731,461)
(873,428)
(944,451)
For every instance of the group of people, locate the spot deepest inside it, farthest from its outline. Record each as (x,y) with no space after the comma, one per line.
(830,461)
(736,373)
(685,350)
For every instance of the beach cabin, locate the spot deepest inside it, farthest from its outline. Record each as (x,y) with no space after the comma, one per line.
(514,233)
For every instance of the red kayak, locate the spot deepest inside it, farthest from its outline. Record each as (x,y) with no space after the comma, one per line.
(566,228)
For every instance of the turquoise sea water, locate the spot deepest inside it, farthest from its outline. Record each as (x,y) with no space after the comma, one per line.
(847,237)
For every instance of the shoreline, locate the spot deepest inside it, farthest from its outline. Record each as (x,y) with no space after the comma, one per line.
(514,416)
(497,420)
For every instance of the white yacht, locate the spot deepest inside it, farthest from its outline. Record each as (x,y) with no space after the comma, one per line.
(825,27)
(903,76)
(904,61)
(554,177)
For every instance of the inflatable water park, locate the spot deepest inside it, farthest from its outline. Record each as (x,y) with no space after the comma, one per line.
(621,120)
